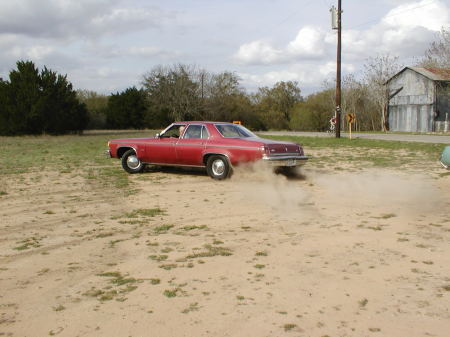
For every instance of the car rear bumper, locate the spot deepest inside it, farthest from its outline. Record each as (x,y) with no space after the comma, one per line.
(288,161)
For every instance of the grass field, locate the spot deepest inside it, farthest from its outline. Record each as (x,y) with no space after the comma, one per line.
(66,153)
(73,154)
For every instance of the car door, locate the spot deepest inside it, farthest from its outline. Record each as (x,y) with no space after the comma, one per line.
(162,150)
(191,146)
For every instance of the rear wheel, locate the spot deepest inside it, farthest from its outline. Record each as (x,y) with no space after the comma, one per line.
(131,163)
(218,167)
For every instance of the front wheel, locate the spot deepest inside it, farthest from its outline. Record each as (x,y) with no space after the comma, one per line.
(218,167)
(131,163)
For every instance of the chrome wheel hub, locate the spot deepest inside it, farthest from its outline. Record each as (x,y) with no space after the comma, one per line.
(218,167)
(133,162)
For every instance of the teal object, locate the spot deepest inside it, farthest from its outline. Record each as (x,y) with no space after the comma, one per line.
(445,157)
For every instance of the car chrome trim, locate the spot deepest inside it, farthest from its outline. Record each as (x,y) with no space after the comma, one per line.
(285,154)
(217,154)
(285,158)
(177,165)
(204,145)
(193,145)
(120,147)
(133,162)
(134,143)
(218,167)
(235,147)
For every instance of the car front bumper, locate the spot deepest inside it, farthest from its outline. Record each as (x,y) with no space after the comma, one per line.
(108,154)
(288,161)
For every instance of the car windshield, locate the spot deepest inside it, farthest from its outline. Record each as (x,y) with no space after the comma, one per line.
(234,131)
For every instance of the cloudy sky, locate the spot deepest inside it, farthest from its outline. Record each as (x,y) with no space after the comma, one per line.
(107,45)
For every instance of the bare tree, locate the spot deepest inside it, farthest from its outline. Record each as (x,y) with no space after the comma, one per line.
(356,99)
(438,54)
(174,89)
(378,70)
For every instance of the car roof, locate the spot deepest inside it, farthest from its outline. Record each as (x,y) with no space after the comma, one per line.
(201,122)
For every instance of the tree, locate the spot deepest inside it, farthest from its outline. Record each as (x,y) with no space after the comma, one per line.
(275,104)
(356,99)
(23,92)
(175,90)
(438,54)
(378,70)
(314,113)
(183,92)
(39,102)
(4,109)
(223,99)
(58,105)
(126,110)
(96,105)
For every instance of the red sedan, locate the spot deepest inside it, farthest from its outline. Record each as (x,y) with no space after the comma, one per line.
(215,146)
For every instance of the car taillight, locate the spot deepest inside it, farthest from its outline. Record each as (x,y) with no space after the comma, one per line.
(264,150)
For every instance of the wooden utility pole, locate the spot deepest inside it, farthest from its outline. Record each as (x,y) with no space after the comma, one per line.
(338,72)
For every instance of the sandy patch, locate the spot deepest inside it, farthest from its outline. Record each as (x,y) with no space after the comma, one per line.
(332,253)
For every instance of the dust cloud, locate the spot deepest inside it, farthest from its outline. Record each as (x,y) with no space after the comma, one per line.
(385,191)
(259,182)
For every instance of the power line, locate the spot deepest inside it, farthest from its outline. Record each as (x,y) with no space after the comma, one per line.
(287,18)
(388,16)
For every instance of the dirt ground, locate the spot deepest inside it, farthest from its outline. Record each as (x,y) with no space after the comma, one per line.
(360,252)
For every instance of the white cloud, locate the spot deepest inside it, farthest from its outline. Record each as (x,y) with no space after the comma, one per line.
(307,74)
(39,52)
(429,14)
(114,51)
(56,19)
(405,31)
(309,42)
(122,20)
(123,38)
(258,52)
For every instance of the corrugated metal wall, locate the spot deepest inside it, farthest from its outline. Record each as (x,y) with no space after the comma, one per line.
(411,118)
(412,109)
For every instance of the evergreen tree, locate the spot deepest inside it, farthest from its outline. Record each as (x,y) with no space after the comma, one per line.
(126,110)
(35,102)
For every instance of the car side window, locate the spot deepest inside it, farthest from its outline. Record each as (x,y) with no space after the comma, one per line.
(193,132)
(173,132)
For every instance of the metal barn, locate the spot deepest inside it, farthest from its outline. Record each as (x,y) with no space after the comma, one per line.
(419,100)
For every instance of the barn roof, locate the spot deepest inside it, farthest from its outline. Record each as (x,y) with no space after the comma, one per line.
(434,74)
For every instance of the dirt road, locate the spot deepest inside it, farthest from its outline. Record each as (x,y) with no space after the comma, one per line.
(334,253)
(421,138)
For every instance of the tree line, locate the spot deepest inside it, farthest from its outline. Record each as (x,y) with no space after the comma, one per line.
(37,101)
